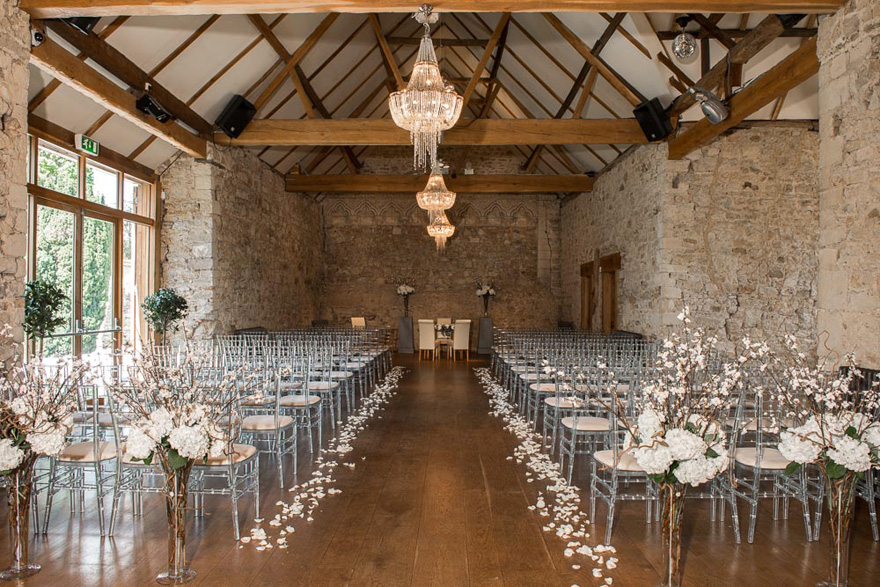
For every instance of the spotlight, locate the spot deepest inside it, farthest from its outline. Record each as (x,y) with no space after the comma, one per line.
(713,108)
(684,46)
(148,105)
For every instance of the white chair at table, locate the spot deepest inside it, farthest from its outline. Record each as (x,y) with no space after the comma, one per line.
(461,337)
(442,340)
(358,322)
(444,321)
(426,338)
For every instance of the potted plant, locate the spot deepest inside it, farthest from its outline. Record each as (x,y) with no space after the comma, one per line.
(163,309)
(43,302)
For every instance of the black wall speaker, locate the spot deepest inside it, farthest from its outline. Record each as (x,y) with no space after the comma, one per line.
(237,114)
(653,120)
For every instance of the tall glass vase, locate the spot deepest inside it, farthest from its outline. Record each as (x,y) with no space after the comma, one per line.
(19,486)
(406,306)
(672,495)
(175,508)
(841,504)
(486,305)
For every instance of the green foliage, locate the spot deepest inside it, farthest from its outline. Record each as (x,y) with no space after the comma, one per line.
(55,251)
(163,309)
(792,468)
(833,470)
(43,305)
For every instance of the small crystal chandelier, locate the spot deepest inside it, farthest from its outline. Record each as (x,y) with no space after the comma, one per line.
(684,46)
(440,229)
(427,106)
(435,197)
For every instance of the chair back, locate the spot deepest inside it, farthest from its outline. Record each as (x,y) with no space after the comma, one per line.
(461,335)
(444,321)
(358,322)
(426,334)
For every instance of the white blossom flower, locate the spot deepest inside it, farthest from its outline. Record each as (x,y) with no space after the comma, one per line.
(851,453)
(10,455)
(138,444)
(684,445)
(49,443)
(190,442)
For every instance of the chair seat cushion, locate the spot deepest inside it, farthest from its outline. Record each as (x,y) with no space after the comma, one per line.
(534,376)
(341,374)
(566,403)
(105,420)
(84,452)
(257,400)
(240,452)
(299,400)
(322,385)
(588,423)
(266,422)
(627,462)
(543,387)
(771,458)
(291,385)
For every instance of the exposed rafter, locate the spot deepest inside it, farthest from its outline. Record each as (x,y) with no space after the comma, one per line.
(363,131)
(63,65)
(477,184)
(120,66)
(789,73)
(67,8)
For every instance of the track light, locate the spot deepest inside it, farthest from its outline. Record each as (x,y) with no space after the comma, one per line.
(149,105)
(713,108)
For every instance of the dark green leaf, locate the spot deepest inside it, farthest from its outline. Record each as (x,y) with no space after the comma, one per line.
(792,468)
(852,433)
(833,470)
(711,454)
(175,461)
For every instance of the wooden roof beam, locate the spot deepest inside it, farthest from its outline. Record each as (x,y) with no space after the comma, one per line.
(366,131)
(787,74)
(387,55)
(120,66)
(63,65)
(500,30)
(737,34)
(476,184)
(68,8)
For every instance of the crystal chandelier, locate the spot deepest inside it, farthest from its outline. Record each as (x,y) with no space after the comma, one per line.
(440,229)
(427,106)
(435,196)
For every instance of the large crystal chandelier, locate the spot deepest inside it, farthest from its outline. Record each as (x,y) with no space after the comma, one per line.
(440,229)
(427,106)
(435,196)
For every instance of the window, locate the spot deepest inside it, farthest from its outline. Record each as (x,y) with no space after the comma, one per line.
(102,186)
(57,169)
(91,233)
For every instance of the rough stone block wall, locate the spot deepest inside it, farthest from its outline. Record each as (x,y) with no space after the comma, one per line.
(14,56)
(241,250)
(849,180)
(740,225)
(731,231)
(621,215)
(511,239)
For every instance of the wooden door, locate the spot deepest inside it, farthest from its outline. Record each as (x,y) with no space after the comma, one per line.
(610,265)
(586,296)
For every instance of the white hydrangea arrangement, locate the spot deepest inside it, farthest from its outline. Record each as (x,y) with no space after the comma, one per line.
(405,289)
(837,428)
(485,289)
(178,412)
(678,437)
(36,409)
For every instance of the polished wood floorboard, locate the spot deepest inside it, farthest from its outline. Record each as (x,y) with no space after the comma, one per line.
(433,500)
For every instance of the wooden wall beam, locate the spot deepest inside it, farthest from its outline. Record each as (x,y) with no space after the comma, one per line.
(67,8)
(787,74)
(63,65)
(476,184)
(365,131)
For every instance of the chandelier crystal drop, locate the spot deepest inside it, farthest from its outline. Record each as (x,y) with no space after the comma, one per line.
(440,229)
(427,106)
(435,196)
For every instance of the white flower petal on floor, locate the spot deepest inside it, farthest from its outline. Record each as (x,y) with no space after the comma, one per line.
(559,501)
(310,493)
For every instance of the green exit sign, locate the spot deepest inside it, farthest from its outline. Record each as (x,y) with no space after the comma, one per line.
(87,144)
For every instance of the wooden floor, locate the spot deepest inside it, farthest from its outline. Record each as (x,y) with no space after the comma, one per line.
(433,502)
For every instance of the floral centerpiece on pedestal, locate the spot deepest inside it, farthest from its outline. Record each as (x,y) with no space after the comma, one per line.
(836,431)
(37,404)
(485,290)
(404,290)
(180,415)
(678,438)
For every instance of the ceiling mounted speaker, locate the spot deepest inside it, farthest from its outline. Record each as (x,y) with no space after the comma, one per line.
(653,120)
(236,116)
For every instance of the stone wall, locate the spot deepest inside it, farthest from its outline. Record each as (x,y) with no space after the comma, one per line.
(14,56)
(241,250)
(849,180)
(730,231)
(511,239)
(621,215)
